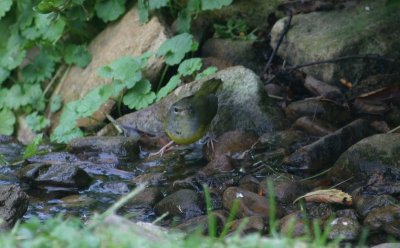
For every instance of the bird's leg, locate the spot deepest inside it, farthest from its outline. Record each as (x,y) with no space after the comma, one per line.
(163,149)
(209,140)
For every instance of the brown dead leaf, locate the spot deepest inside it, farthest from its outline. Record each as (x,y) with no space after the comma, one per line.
(327,196)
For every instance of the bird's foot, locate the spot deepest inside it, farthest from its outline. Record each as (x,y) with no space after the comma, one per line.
(209,140)
(163,149)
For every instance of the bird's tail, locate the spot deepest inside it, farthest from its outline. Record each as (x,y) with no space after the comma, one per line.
(209,87)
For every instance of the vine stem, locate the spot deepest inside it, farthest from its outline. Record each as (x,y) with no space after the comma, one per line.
(162,77)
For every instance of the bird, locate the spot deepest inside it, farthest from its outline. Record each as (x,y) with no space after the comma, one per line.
(188,119)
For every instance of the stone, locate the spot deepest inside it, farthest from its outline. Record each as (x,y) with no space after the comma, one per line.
(323,153)
(11,149)
(147,197)
(250,204)
(14,203)
(183,203)
(308,40)
(126,37)
(345,228)
(386,218)
(242,105)
(63,175)
(240,52)
(377,154)
(123,147)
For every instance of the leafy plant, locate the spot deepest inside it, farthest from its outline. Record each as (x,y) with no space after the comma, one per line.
(32,148)
(235,30)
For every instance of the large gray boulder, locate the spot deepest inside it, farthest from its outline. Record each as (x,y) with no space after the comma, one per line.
(13,205)
(242,105)
(371,27)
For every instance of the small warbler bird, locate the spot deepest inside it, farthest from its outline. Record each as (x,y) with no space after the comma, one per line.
(189,118)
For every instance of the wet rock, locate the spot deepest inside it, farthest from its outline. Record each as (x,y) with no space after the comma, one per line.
(327,91)
(313,126)
(200,223)
(250,204)
(196,224)
(228,146)
(184,203)
(286,188)
(14,203)
(293,224)
(319,211)
(11,149)
(348,213)
(53,158)
(148,197)
(155,179)
(274,90)
(365,203)
(345,228)
(122,147)
(244,107)
(249,225)
(321,108)
(378,35)
(249,183)
(386,218)
(117,188)
(64,175)
(127,37)
(240,52)
(281,139)
(375,155)
(77,201)
(325,151)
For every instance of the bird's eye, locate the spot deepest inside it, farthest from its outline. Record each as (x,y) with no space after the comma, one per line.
(176,110)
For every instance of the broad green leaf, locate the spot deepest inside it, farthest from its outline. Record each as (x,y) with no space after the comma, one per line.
(127,70)
(55,103)
(50,28)
(143,7)
(214,4)
(14,54)
(140,96)
(109,10)
(4,73)
(78,55)
(210,70)
(7,120)
(37,122)
(32,149)
(184,20)
(156,4)
(190,66)
(5,6)
(174,49)
(170,86)
(41,68)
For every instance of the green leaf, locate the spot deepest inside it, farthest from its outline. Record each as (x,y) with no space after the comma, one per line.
(143,7)
(156,4)
(41,68)
(125,69)
(21,95)
(55,103)
(32,149)
(37,122)
(189,66)
(139,96)
(14,54)
(109,10)
(170,86)
(184,21)
(78,55)
(210,70)
(4,73)
(214,4)
(50,29)
(7,120)
(5,6)
(174,49)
